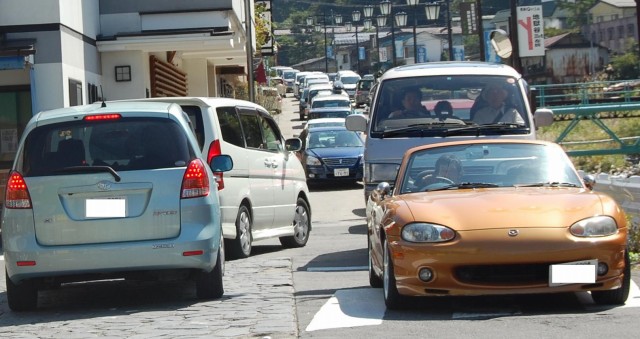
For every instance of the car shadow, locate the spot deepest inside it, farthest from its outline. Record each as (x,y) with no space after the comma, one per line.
(333,186)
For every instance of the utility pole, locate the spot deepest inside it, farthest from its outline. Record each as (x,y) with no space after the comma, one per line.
(513,35)
(249,45)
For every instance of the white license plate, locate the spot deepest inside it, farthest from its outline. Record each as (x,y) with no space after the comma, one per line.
(577,272)
(341,172)
(106,208)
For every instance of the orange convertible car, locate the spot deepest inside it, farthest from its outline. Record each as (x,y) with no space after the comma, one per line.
(488,217)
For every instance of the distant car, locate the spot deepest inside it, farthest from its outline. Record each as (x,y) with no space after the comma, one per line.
(278,83)
(349,79)
(495,216)
(330,101)
(271,99)
(324,122)
(331,154)
(330,112)
(362,92)
(289,77)
(111,190)
(308,95)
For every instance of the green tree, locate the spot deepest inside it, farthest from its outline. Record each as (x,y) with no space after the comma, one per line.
(625,66)
(579,11)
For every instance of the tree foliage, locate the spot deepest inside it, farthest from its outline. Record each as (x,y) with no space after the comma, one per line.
(579,11)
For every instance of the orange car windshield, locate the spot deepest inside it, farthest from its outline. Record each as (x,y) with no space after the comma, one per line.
(488,165)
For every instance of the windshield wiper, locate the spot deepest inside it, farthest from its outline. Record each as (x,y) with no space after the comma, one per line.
(464,185)
(497,127)
(548,184)
(437,126)
(90,169)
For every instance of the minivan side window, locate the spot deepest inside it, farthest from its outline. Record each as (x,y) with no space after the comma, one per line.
(252,130)
(271,135)
(195,115)
(230,126)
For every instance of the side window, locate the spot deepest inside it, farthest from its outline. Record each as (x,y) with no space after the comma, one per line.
(271,135)
(230,126)
(252,130)
(195,115)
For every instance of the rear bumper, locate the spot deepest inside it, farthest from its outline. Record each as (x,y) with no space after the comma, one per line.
(114,259)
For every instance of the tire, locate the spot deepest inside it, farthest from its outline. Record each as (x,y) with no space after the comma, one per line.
(301,116)
(301,227)
(21,297)
(619,295)
(392,299)
(374,280)
(209,285)
(240,247)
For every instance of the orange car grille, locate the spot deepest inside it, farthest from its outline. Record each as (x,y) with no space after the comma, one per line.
(503,274)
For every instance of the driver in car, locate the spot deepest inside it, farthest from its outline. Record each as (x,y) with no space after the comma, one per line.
(448,170)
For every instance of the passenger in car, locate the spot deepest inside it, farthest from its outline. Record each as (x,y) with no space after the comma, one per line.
(448,169)
(412,106)
(495,107)
(443,110)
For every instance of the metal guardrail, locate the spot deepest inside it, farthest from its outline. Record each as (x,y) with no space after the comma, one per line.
(592,101)
(625,191)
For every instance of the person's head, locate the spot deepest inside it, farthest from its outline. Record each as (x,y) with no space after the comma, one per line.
(495,95)
(443,108)
(448,166)
(412,99)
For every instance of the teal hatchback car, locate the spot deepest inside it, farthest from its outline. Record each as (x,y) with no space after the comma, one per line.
(111,190)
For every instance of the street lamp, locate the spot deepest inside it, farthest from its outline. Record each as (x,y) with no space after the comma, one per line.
(432,12)
(414,4)
(368,14)
(386,8)
(337,19)
(355,16)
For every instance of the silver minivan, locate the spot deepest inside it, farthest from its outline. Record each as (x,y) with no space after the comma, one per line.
(111,190)
(455,104)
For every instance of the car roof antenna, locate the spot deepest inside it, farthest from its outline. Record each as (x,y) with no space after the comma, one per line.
(104,104)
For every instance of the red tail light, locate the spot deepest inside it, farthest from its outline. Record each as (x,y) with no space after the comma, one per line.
(214,149)
(17,193)
(195,182)
(102,117)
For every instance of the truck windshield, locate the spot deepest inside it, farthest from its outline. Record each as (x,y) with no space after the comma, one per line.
(439,103)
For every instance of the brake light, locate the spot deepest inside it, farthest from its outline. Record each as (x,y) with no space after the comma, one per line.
(215,150)
(102,117)
(17,193)
(195,182)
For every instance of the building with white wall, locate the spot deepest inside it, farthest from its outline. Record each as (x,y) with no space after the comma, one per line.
(60,53)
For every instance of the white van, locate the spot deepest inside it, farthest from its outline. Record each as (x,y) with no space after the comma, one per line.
(349,80)
(463,88)
(266,193)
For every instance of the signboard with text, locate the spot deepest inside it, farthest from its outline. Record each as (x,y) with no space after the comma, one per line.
(468,18)
(530,31)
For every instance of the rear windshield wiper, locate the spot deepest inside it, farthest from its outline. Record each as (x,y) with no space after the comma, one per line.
(548,184)
(463,185)
(90,169)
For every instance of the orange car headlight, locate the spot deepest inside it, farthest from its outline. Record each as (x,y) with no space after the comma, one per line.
(423,232)
(599,226)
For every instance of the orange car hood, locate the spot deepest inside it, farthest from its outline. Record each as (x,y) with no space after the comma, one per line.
(504,207)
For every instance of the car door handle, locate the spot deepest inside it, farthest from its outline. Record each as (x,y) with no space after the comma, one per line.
(274,164)
(268,163)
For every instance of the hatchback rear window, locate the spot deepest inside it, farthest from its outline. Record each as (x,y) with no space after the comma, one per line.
(124,144)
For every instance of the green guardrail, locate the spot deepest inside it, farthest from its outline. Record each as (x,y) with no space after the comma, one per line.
(591,102)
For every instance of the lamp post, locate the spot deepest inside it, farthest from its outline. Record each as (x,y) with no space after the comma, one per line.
(355,16)
(337,20)
(432,12)
(414,4)
(368,14)
(400,19)
(386,8)
(381,20)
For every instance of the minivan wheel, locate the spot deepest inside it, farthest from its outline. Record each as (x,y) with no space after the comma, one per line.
(240,247)
(21,297)
(301,226)
(209,284)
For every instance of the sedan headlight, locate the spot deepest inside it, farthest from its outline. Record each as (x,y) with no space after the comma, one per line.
(423,232)
(313,161)
(382,172)
(594,227)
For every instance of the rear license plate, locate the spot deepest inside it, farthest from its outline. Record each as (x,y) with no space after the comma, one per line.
(341,172)
(577,272)
(106,208)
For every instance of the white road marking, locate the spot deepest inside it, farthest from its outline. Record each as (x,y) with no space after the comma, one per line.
(350,308)
(337,269)
(365,307)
